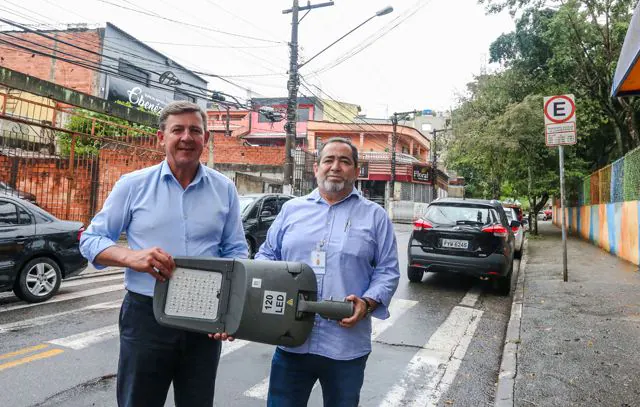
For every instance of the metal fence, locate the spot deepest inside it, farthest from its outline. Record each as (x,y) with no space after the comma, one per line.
(304,180)
(617,182)
(69,173)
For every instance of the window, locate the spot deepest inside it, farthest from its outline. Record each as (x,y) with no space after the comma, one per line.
(8,214)
(132,72)
(302,115)
(271,205)
(24,217)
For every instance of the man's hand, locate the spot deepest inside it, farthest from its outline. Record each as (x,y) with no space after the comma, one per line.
(154,261)
(359,311)
(222,337)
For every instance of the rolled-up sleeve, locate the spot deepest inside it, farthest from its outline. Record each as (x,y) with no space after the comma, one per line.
(386,273)
(108,224)
(234,243)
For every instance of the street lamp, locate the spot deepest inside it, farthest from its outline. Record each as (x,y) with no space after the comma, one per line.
(292,83)
(378,13)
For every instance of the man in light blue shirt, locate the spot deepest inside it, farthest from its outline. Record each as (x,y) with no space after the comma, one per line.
(176,208)
(350,244)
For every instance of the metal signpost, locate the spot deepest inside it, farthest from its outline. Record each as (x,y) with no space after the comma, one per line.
(560,130)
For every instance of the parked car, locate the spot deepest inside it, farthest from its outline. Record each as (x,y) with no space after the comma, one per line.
(547,214)
(467,236)
(37,250)
(8,190)
(258,213)
(518,231)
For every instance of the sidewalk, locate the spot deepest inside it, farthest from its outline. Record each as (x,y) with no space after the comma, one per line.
(575,343)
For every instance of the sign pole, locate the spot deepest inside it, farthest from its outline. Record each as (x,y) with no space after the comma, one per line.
(565,275)
(560,130)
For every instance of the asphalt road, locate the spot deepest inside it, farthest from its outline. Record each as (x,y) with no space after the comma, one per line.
(442,346)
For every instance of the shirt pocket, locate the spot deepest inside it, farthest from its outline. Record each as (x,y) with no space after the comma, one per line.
(359,244)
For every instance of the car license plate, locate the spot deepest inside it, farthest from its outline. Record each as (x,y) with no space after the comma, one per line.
(455,244)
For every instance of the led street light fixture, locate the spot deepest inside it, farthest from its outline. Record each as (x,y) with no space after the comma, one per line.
(271,302)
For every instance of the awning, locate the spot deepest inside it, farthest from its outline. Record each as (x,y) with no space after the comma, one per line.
(626,81)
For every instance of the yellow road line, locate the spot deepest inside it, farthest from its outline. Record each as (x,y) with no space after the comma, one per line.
(23,351)
(37,356)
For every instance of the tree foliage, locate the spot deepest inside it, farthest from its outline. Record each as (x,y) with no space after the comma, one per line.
(557,47)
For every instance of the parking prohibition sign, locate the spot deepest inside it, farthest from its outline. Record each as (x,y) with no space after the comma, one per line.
(560,120)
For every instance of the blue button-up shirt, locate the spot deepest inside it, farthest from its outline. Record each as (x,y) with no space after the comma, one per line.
(153,209)
(361,259)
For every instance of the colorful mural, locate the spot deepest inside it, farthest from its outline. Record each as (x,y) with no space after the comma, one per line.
(612,226)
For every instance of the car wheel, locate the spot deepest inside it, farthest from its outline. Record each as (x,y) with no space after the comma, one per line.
(518,253)
(415,274)
(39,280)
(252,250)
(503,284)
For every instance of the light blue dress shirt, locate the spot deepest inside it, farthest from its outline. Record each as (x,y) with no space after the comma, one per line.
(361,259)
(154,210)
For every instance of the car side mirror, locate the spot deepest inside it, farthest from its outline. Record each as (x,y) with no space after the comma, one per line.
(265,214)
(515,224)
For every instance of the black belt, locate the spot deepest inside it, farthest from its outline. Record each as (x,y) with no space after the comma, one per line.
(139,297)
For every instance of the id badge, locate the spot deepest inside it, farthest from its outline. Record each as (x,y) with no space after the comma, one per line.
(318,261)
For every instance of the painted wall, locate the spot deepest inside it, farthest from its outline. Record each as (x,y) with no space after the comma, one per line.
(613,226)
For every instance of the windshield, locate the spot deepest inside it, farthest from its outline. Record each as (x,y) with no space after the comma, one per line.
(453,215)
(245,202)
(509,213)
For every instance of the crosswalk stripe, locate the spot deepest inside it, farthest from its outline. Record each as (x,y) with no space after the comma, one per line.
(437,359)
(84,339)
(66,297)
(397,308)
(471,298)
(45,319)
(229,347)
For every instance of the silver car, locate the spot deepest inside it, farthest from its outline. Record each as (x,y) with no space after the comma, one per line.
(518,231)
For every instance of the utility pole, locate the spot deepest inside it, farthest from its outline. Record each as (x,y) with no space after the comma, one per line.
(394,142)
(434,166)
(227,131)
(292,86)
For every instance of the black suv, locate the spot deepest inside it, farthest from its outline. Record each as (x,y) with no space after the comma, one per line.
(258,213)
(468,236)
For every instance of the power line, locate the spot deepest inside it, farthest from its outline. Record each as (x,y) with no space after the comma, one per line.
(120,47)
(188,24)
(376,36)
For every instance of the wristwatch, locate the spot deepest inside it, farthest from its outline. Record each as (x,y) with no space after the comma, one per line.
(370,307)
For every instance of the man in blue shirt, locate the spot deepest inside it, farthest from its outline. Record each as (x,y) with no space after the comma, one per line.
(176,208)
(350,244)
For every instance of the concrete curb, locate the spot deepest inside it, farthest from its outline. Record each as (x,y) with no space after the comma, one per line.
(508,366)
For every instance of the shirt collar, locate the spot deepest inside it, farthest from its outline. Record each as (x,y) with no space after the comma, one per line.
(315,195)
(165,171)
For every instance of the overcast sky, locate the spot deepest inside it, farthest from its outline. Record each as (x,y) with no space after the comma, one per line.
(423,63)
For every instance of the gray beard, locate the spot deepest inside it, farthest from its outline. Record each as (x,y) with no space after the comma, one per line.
(330,186)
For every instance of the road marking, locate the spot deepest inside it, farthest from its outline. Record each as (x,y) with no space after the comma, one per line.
(228,347)
(67,297)
(84,339)
(471,297)
(45,319)
(437,363)
(91,280)
(397,308)
(37,356)
(23,351)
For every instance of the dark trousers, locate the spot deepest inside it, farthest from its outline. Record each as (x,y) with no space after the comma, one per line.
(293,376)
(152,356)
